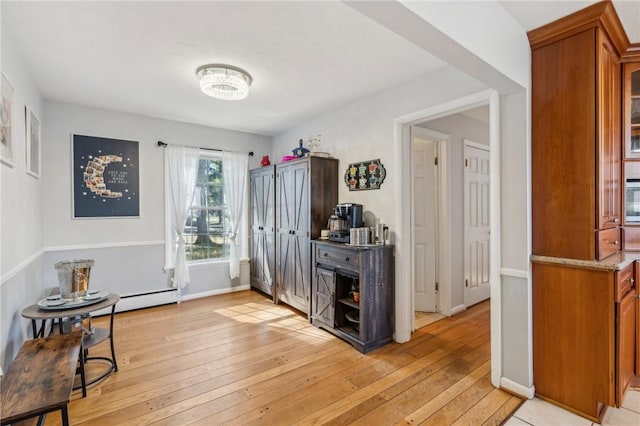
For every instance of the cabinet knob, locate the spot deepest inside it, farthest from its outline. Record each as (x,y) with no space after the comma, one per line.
(346,259)
(326,254)
(632,281)
(616,220)
(615,243)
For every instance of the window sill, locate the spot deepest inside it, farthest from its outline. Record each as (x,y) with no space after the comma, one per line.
(201,264)
(204,264)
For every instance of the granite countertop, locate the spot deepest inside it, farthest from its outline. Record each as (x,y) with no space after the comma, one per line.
(615,262)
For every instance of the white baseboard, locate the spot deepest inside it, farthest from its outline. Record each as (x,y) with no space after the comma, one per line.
(457,309)
(517,388)
(516,273)
(139,301)
(162,297)
(215,292)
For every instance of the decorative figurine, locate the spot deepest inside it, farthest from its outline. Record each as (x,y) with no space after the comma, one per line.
(265,161)
(300,151)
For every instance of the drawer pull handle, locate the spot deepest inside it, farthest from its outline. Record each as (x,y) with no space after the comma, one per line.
(615,243)
(632,281)
(616,220)
(326,254)
(346,259)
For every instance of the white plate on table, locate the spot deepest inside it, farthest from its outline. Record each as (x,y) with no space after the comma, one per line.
(55,302)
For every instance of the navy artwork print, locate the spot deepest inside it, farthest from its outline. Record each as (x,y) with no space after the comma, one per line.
(106,177)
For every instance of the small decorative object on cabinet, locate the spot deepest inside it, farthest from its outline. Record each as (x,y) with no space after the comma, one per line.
(285,215)
(352,294)
(300,151)
(265,161)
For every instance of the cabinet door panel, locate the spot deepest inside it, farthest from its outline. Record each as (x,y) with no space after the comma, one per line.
(324,286)
(626,342)
(262,228)
(608,128)
(631,110)
(292,207)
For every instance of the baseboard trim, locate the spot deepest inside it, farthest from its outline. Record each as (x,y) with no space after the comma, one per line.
(517,388)
(144,300)
(516,273)
(215,292)
(457,309)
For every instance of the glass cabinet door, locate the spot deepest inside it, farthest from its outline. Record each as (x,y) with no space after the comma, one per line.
(631,102)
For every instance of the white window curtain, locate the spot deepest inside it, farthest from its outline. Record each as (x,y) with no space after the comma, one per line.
(181,167)
(235,168)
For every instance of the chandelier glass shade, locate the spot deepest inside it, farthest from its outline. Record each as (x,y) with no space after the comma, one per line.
(224,81)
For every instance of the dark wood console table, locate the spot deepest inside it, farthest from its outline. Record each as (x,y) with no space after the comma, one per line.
(339,270)
(98,335)
(40,379)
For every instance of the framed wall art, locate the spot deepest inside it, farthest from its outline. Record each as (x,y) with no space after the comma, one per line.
(365,175)
(6,119)
(33,142)
(106,177)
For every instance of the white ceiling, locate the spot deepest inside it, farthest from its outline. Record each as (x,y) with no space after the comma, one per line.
(305,57)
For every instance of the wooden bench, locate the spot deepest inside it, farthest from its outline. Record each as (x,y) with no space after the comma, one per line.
(40,379)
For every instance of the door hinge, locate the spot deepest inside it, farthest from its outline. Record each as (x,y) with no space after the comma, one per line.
(437,286)
(466,283)
(435,160)
(466,162)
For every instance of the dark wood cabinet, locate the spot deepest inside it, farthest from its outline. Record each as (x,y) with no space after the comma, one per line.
(339,271)
(576,134)
(306,191)
(262,257)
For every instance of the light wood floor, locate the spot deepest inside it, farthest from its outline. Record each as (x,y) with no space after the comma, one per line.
(239,359)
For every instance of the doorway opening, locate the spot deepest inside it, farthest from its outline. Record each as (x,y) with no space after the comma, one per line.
(450,225)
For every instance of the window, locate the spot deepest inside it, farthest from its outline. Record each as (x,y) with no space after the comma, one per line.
(206,231)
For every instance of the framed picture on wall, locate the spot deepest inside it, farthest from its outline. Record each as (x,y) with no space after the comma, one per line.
(33,142)
(6,119)
(106,177)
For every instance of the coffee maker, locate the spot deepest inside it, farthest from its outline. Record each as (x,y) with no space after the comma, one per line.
(345,216)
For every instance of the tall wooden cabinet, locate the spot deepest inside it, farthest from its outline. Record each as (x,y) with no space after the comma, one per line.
(263,229)
(583,315)
(576,136)
(291,204)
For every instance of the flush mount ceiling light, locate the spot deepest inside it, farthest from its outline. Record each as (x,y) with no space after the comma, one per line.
(224,81)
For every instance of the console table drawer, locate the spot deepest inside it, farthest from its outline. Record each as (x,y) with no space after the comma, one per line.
(336,257)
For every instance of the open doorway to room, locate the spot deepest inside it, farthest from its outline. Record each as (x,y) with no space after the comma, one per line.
(450,222)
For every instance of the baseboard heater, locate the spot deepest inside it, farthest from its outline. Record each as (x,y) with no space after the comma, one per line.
(131,302)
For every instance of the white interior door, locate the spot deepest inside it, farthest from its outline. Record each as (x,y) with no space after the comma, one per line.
(476,223)
(424,223)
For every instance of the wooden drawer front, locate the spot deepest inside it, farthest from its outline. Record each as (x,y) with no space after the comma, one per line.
(608,242)
(341,258)
(624,282)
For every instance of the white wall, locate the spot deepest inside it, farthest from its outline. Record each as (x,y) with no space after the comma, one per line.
(21,214)
(128,252)
(484,28)
(21,210)
(363,130)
